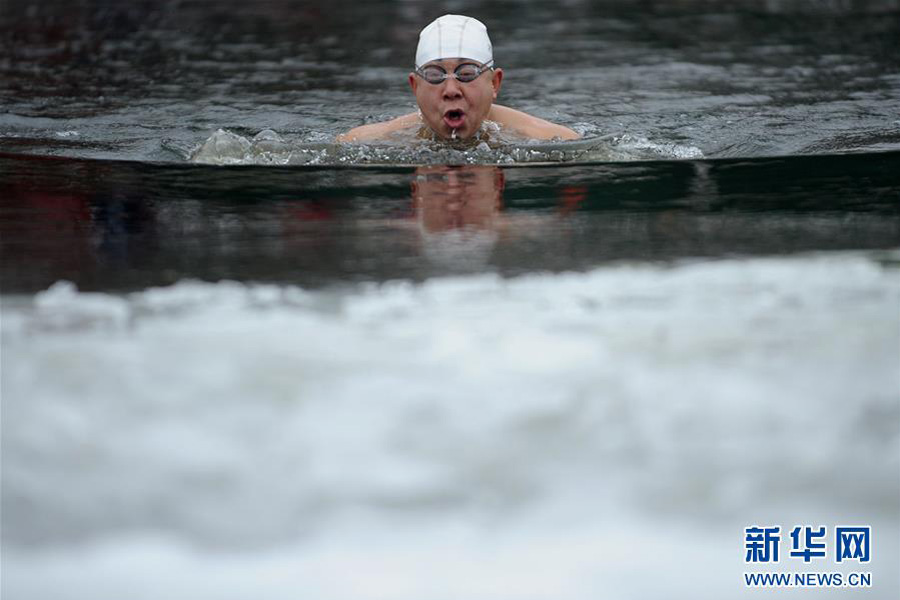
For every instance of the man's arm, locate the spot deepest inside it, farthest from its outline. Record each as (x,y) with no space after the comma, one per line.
(378,131)
(529,125)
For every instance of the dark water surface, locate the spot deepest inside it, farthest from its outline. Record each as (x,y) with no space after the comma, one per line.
(731,78)
(107,89)
(125,225)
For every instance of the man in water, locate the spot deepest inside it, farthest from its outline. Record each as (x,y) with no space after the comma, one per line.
(455,84)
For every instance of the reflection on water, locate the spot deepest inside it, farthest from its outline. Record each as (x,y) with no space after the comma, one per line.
(127,226)
(454,197)
(457,209)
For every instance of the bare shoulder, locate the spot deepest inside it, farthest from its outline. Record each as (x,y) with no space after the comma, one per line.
(529,125)
(378,131)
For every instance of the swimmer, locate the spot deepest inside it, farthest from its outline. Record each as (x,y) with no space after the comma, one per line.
(455,84)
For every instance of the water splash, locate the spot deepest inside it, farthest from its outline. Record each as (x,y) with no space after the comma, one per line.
(269,148)
(227,148)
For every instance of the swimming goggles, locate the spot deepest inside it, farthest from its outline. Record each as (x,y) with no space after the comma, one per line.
(464,73)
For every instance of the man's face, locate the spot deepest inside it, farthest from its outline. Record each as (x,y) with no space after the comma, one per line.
(454,105)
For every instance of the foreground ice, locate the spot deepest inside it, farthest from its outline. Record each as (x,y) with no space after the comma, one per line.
(586,435)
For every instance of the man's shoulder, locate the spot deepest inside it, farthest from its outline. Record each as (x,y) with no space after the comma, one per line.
(378,131)
(529,125)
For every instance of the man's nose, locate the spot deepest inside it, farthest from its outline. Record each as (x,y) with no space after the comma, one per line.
(451,89)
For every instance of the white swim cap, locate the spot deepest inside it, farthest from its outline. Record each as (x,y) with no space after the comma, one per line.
(454,36)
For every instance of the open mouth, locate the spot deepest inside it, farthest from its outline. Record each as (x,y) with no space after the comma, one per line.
(454,118)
